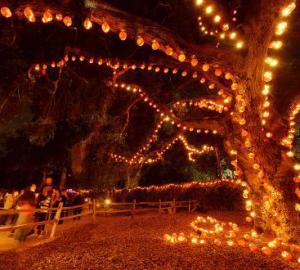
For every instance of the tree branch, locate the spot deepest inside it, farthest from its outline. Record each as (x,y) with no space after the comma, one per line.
(164,111)
(149,30)
(128,114)
(156,62)
(163,63)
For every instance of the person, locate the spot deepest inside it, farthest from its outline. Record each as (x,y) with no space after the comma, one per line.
(8,204)
(33,188)
(15,195)
(44,201)
(64,197)
(8,200)
(25,202)
(55,200)
(78,200)
(47,185)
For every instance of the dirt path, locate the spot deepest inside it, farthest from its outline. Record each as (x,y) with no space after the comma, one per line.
(133,243)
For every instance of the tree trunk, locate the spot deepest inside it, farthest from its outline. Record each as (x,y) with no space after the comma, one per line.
(262,161)
(80,151)
(266,168)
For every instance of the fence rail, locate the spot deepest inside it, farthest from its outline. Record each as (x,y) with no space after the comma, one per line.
(93,208)
(50,211)
(38,210)
(136,207)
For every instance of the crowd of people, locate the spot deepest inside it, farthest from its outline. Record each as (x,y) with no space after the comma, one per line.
(31,199)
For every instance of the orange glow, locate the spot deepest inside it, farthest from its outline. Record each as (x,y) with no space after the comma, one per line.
(47,17)
(105,27)
(67,20)
(5,12)
(155,45)
(87,24)
(123,35)
(28,13)
(140,41)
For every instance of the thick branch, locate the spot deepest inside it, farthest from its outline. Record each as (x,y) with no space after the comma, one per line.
(149,30)
(164,111)
(158,62)
(163,63)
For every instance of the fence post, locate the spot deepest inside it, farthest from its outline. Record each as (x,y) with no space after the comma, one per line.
(94,211)
(195,205)
(159,207)
(133,206)
(189,206)
(174,206)
(56,219)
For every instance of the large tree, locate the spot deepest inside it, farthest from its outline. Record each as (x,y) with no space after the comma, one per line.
(235,74)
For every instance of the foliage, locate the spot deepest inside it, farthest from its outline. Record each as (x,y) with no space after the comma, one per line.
(215,198)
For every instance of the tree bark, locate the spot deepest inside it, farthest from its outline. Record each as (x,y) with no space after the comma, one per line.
(80,150)
(272,189)
(263,161)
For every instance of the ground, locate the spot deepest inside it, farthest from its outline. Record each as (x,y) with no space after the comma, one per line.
(135,243)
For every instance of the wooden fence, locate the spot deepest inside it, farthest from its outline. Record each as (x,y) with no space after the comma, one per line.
(50,212)
(139,207)
(95,207)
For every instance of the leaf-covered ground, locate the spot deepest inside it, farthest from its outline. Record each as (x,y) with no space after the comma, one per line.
(133,243)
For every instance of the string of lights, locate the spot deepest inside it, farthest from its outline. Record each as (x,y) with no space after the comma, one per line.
(219,106)
(164,112)
(191,150)
(273,196)
(145,159)
(210,104)
(205,103)
(167,117)
(220,29)
(53,15)
(236,183)
(252,157)
(188,185)
(117,64)
(272,62)
(208,230)
(151,139)
(288,143)
(136,159)
(50,15)
(233,155)
(158,154)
